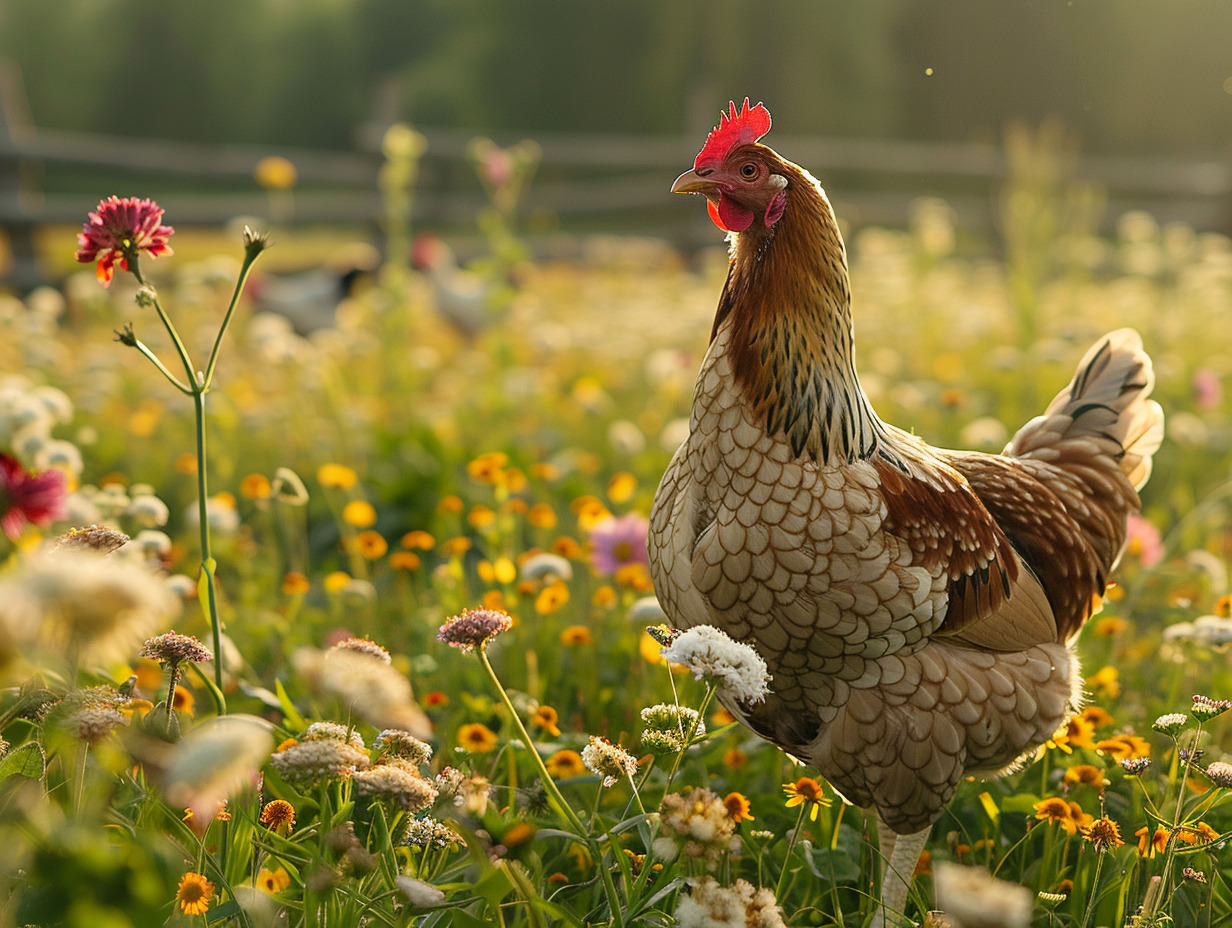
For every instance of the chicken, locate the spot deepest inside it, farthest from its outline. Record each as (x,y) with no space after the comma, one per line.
(916,607)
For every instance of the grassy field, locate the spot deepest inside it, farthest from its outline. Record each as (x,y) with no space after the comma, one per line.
(378,476)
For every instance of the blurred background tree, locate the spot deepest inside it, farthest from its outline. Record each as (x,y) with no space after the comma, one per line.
(1128,76)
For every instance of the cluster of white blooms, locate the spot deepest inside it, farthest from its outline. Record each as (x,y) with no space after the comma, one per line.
(971,897)
(707,904)
(399,785)
(29,414)
(418,893)
(104,607)
(1211,631)
(669,726)
(366,683)
(698,823)
(608,760)
(737,669)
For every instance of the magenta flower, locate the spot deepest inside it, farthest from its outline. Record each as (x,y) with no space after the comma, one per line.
(619,542)
(118,231)
(26,497)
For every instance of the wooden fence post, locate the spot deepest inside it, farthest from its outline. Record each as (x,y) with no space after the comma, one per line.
(17,180)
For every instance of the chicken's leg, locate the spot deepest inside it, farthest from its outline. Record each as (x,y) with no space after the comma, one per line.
(904,853)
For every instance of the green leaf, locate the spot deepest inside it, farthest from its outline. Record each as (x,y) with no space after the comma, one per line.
(222,913)
(493,887)
(466,920)
(833,865)
(294,721)
(27,760)
(1019,803)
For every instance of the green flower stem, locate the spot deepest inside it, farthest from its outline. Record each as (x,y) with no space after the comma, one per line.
(791,846)
(250,257)
(134,266)
(688,741)
(153,359)
(197,388)
(555,799)
(79,779)
(1086,916)
(207,557)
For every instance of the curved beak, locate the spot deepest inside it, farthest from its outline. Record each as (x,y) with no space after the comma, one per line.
(692,182)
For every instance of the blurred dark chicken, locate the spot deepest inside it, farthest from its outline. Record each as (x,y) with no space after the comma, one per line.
(916,607)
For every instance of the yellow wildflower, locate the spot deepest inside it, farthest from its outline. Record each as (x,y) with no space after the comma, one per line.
(336,476)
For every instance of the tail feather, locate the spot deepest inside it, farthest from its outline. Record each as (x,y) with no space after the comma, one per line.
(1094,443)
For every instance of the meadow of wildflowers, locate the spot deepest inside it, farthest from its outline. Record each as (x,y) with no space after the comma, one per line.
(381,656)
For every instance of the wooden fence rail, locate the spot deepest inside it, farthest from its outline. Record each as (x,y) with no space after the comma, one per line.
(593,179)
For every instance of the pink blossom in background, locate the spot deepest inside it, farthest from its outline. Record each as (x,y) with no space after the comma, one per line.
(1207,389)
(1144,540)
(26,497)
(497,167)
(618,542)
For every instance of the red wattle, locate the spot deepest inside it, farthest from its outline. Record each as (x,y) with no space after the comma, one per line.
(714,215)
(734,216)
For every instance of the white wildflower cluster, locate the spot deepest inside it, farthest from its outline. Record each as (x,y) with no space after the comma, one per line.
(74,598)
(402,787)
(971,897)
(737,669)
(608,760)
(312,762)
(707,904)
(332,731)
(29,414)
(418,893)
(365,683)
(1171,724)
(546,567)
(1220,773)
(216,759)
(668,727)
(1209,631)
(403,745)
(428,832)
(697,823)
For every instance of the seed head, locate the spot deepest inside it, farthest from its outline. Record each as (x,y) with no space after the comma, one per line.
(311,762)
(97,539)
(474,628)
(405,790)
(1220,773)
(404,745)
(364,646)
(174,648)
(278,814)
(1103,834)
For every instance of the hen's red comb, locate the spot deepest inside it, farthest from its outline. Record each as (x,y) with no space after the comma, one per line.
(734,128)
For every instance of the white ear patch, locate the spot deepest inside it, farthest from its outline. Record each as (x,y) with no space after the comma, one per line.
(778,181)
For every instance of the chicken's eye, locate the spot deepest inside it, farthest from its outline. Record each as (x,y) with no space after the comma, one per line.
(748,171)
